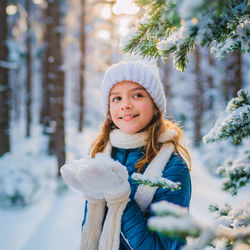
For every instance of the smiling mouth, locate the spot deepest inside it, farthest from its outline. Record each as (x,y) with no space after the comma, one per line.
(128,117)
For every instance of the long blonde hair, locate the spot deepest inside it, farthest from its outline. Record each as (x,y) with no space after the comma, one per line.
(154,129)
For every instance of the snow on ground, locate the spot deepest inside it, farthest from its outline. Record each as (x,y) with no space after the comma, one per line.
(54,222)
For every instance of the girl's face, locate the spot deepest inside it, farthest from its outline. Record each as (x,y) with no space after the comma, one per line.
(131,107)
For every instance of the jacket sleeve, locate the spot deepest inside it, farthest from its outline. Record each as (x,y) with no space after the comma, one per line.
(135,233)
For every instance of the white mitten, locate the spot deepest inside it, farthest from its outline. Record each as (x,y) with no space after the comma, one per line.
(111,178)
(70,174)
(96,204)
(104,175)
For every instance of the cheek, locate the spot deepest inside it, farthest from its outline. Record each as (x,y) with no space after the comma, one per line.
(147,109)
(113,111)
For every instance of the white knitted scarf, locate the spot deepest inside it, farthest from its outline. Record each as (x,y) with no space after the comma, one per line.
(94,236)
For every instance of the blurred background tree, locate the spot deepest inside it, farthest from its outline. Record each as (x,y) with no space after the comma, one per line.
(4,82)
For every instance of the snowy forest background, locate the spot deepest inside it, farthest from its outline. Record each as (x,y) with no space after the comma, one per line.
(53,55)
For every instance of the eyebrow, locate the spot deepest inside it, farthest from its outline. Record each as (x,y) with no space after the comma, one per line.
(137,88)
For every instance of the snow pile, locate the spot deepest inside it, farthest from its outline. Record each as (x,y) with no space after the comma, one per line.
(26,173)
(18,185)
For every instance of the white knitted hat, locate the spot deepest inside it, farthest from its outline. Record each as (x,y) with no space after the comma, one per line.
(145,75)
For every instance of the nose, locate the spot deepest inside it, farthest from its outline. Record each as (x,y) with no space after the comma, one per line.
(126,105)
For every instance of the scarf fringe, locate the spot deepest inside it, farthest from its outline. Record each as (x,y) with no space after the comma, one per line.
(110,237)
(92,228)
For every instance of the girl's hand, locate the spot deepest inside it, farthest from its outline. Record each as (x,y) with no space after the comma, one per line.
(70,173)
(106,176)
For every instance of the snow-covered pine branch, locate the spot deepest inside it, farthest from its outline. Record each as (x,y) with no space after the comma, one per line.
(176,27)
(238,217)
(166,208)
(242,99)
(231,230)
(219,210)
(156,182)
(236,173)
(236,125)
(173,220)
(233,225)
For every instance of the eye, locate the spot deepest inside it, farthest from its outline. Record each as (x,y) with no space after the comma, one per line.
(116,99)
(138,95)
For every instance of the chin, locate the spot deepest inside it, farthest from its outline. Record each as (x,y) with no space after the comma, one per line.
(129,131)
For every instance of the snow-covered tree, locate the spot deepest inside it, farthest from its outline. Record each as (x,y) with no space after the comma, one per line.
(235,126)
(177,27)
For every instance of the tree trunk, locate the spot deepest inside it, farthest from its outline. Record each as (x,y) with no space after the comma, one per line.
(198,102)
(45,108)
(56,82)
(82,65)
(4,83)
(233,76)
(210,81)
(29,69)
(165,76)
(113,45)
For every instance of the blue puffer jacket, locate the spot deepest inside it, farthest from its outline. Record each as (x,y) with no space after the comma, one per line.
(134,231)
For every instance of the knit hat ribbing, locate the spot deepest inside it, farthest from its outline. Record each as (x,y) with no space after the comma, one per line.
(136,72)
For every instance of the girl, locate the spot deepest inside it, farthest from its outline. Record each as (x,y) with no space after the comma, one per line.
(134,138)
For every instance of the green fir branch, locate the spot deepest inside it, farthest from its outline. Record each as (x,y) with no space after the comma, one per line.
(180,56)
(155,182)
(220,211)
(237,125)
(146,3)
(242,99)
(236,174)
(223,23)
